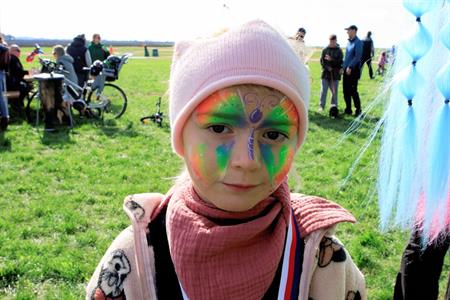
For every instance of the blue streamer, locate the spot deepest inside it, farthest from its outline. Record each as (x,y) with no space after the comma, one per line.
(443,82)
(406,203)
(411,83)
(439,166)
(445,35)
(418,7)
(419,43)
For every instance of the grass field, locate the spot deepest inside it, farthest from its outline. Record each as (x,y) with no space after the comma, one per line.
(61,194)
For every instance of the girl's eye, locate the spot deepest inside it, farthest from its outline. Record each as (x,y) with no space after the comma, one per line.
(219,129)
(275,136)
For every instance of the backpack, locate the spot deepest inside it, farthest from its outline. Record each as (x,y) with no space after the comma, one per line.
(4,57)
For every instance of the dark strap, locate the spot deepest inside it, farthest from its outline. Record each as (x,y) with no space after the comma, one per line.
(167,286)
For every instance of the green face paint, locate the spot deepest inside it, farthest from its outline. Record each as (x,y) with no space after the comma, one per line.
(223,153)
(222,108)
(256,111)
(284,118)
(277,164)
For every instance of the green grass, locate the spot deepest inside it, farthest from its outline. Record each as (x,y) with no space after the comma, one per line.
(61,194)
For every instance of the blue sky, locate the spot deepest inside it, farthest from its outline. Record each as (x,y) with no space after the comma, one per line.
(172,20)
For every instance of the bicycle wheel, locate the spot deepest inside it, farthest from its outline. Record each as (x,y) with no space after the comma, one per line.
(33,110)
(112,101)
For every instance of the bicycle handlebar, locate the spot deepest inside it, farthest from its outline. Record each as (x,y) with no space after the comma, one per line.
(52,66)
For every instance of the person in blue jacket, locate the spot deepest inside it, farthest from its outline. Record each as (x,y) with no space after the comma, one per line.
(352,71)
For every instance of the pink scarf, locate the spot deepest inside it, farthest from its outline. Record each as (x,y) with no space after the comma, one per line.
(224,255)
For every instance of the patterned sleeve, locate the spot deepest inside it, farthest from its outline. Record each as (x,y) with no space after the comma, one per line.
(115,275)
(336,276)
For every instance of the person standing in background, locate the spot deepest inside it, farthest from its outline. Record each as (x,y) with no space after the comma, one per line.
(81,56)
(368,53)
(331,61)
(4,63)
(96,49)
(352,71)
(298,44)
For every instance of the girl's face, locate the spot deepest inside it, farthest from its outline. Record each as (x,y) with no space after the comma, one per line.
(239,144)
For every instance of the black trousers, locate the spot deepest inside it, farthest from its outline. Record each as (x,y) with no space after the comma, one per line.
(420,270)
(350,87)
(369,65)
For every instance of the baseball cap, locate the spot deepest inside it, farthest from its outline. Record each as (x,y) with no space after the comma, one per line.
(352,27)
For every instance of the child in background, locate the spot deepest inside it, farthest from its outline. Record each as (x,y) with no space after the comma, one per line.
(381,64)
(229,228)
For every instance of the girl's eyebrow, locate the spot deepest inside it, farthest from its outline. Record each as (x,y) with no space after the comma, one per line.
(235,117)
(271,122)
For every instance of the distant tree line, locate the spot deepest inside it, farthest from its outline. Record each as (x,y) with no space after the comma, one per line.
(29,42)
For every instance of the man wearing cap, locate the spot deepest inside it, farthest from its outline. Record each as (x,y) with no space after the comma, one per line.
(352,71)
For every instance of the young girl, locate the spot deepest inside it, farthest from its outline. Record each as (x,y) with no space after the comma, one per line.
(382,64)
(230,228)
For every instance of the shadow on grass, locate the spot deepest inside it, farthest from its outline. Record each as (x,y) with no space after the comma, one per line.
(5,143)
(112,130)
(165,126)
(58,138)
(342,123)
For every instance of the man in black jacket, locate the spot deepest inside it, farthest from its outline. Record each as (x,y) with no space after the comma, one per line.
(331,61)
(368,53)
(15,75)
(81,56)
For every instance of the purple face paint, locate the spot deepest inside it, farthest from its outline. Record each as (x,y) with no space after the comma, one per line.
(251,145)
(255,115)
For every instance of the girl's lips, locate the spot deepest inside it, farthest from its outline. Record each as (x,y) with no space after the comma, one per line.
(240,187)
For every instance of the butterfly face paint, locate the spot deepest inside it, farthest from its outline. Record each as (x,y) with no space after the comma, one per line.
(257,106)
(239,144)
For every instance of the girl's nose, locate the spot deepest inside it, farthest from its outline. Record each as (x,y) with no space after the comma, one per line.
(245,154)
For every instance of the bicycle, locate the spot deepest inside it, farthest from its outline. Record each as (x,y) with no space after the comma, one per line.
(98,97)
(157,117)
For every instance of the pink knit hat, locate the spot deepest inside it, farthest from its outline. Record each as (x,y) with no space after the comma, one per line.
(254,53)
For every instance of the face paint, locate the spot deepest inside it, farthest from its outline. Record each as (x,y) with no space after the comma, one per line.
(278,164)
(198,161)
(223,155)
(221,108)
(239,144)
(283,117)
(251,145)
(257,108)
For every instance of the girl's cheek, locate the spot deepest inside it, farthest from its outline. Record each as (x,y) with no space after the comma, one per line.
(286,157)
(278,161)
(197,161)
(223,154)
(209,161)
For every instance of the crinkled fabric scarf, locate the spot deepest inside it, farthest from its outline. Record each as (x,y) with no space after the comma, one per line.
(224,255)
